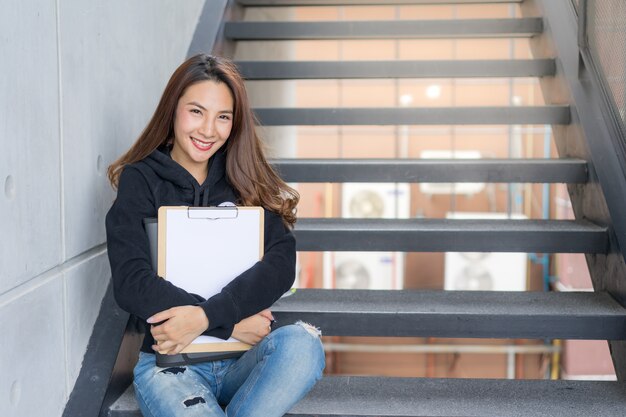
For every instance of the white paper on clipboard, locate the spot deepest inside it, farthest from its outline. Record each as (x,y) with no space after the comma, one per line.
(202,249)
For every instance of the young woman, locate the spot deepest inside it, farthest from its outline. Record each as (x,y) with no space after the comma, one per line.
(200,149)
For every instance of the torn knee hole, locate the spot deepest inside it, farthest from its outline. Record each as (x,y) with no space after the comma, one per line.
(175,370)
(313,331)
(194,401)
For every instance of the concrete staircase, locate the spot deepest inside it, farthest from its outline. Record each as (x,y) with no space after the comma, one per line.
(545,315)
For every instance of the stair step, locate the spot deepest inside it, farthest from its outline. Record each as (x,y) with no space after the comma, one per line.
(433,170)
(125,406)
(444,397)
(423,397)
(396,29)
(471,314)
(537,115)
(289,70)
(450,235)
(283,3)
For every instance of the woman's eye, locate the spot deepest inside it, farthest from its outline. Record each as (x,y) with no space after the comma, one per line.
(225,117)
(196,111)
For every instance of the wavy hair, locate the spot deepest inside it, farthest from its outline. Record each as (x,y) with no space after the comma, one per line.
(247,169)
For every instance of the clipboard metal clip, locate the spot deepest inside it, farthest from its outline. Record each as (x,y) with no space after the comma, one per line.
(212,213)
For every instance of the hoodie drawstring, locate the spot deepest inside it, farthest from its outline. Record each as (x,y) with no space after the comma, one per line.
(196,196)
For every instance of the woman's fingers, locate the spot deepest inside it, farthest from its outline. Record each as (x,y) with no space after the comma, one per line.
(162,316)
(178,327)
(252,329)
(158,333)
(264,328)
(168,348)
(163,347)
(267,314)
(183,324)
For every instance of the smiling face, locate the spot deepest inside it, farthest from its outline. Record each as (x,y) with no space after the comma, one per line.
(203,121)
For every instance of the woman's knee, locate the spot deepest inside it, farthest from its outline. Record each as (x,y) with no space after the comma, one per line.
(301,341)
(300,335)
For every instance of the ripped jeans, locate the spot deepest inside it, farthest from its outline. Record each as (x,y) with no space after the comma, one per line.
(266,381)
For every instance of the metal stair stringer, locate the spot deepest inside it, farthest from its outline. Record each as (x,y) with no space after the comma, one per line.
(601,199)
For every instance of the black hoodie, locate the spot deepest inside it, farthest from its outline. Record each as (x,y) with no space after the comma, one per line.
(158,181)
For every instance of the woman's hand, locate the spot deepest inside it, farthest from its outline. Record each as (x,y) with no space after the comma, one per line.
(181,326)
(254,328)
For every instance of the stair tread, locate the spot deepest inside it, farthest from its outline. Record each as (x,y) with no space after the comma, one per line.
(445,397)
(432,170)
(273,70)
(496,115)
(396,29)
(437,313)
(379,396)
(450,235)
(510,303)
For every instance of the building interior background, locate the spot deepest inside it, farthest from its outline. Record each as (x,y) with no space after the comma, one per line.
(427,357)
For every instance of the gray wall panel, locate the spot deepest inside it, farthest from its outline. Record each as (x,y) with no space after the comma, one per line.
(60,130)
(33,380)
(116,58)
(85,286)
(30,211)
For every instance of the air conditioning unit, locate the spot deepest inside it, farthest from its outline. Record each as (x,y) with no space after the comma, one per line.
(369,270)
(485,271)
(375,200)
(467,188)
(364,270)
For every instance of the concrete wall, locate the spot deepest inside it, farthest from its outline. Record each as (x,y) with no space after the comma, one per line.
(78,82)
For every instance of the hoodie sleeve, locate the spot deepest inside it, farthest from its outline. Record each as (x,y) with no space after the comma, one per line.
(261,285)
(137,288)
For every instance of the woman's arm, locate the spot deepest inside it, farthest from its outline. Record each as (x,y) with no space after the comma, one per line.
(181,325)
(252,329)
(137,287)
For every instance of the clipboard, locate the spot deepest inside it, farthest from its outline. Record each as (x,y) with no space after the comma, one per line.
(202,249)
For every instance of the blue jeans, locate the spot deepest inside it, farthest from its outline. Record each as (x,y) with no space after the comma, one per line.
(266,381)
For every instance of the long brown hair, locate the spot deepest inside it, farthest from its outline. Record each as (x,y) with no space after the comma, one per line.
(247,169)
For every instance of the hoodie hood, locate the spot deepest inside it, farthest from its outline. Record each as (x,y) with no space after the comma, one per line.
(169,170)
